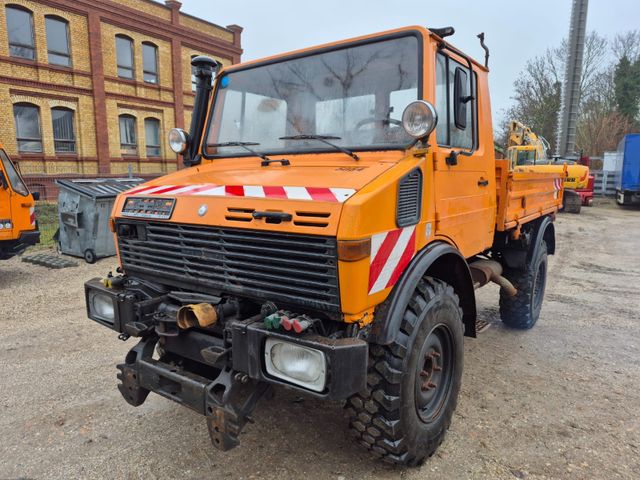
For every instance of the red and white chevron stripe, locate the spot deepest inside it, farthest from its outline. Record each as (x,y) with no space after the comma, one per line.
(391,252)
(318,194)
(557,184)
(32,216)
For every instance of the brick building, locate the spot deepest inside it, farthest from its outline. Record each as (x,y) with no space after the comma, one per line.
(91,87)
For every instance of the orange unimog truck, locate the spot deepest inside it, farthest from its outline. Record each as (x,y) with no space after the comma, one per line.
(18,229)
(339,207)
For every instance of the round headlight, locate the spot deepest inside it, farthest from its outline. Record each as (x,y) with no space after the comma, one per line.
(7,225)
(419,119)
(178,140)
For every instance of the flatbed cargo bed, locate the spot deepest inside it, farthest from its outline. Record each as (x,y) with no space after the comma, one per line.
(524,196)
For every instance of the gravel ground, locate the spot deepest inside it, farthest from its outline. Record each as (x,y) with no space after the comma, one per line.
(559,401)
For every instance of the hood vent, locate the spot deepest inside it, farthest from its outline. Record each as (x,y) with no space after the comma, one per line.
(409,199)
(301,219)
(239,214)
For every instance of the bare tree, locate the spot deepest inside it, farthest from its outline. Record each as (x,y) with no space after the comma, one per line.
(538,88)
(627,44)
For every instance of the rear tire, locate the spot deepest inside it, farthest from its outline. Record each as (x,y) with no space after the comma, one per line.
(571,202)
(523,310)
(413,383)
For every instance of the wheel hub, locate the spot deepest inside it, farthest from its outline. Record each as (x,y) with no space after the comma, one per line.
(434,373)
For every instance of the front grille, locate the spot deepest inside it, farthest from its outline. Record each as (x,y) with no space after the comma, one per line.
(284,268)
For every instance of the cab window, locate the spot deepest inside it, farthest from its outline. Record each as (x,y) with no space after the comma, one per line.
(13,177)
(455,103)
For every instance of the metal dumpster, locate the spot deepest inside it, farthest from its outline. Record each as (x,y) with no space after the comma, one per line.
(84,208)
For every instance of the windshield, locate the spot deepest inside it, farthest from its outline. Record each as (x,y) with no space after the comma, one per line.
(357,94)
(12,175)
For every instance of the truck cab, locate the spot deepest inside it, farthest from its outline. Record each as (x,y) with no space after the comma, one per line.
(18,229)
(339,206)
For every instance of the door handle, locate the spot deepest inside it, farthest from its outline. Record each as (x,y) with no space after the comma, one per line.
(483,183)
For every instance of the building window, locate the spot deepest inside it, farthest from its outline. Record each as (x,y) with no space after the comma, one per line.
(193,75)
(149,63)
(20,32)
(58,41)
(152,136)
(64,138)
(27,119)
(128,137)
(124,54)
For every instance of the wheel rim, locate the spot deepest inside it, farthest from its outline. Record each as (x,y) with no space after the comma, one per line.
(538,286)
(434,374)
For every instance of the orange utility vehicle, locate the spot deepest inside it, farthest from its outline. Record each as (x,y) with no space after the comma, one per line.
(18,228)
(340,206)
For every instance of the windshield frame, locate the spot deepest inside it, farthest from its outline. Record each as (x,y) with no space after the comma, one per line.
(7,164)
(316,51)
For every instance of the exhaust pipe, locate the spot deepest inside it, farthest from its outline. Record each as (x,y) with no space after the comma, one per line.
(196,315)
(485,271)
(206,68)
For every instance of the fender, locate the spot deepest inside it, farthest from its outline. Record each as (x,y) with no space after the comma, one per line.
(439,260)
(544,230)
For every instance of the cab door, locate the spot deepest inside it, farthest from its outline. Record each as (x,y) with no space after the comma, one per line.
(464,168)
(5,202)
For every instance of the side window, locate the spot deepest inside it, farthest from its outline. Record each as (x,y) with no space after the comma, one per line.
(442,100)
(64,138)
(124,56)
(460,137)
(152,136)
(149,62)
(452,131)
(27,120)
(193,75)
(58,41)
(128,135)
(20,32)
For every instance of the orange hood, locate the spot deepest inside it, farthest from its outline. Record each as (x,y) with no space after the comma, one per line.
(312,190)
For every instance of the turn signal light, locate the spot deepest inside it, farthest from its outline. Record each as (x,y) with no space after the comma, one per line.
(354,250)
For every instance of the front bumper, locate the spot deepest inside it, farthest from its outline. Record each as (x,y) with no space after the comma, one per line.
(239,347)
(10,248)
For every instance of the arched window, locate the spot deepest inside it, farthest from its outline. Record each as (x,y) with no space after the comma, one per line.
(193,75)
(152,136)
(20,32)
(149,62)
(64,138)
(27,120)
(124,56)
(58,41)
(128,137)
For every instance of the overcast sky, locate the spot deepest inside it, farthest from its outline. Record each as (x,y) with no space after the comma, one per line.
(515,31)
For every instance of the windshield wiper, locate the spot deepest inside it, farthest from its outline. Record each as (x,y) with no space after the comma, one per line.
(323,139)
(265,160)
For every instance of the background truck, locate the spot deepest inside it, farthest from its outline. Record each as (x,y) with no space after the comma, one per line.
(18,229)
(628,164)
(528,151)
(340,207)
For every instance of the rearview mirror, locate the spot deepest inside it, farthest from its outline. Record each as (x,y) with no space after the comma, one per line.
(35,195)
(460,98)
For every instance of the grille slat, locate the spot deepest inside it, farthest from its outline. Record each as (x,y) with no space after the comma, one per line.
(409,198)
(285,268)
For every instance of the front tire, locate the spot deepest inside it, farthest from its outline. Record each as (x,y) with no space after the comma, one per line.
(523,310)
(413,383)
